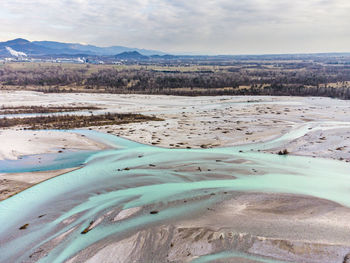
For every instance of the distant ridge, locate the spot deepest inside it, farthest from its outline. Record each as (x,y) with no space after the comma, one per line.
(19,48)
(52,48)
(131,55)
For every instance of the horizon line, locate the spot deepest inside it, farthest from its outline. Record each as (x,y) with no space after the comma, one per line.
(192,53)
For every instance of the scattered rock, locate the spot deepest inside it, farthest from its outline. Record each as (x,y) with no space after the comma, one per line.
(154,212)
(86,230)
(24,227)
(284,152)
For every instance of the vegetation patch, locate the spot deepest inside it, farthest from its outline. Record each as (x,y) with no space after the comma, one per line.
(42,109)
(75,121)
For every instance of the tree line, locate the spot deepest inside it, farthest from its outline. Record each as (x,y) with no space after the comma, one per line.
(296,79)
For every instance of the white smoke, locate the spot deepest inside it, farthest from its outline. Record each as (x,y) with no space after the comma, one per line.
(16,53)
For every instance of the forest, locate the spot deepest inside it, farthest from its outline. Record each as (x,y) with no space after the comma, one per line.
(285,77)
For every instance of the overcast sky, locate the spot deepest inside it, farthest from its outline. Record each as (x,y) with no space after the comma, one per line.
(198,26)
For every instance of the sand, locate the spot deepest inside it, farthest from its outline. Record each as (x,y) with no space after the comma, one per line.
(283,226)
(286,227)
(204,122)
(13,183)
(189,122)
(17,143)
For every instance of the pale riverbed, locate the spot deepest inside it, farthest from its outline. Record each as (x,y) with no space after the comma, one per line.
(142,203)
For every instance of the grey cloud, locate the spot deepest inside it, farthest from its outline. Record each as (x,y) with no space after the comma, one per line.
(212,26)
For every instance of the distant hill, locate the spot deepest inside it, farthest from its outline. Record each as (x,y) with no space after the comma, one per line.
(22,45)
(131,55)
(51,48)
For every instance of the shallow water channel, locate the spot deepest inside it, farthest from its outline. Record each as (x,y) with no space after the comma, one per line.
(136,175)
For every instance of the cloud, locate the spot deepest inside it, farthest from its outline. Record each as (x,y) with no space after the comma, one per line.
(211,26)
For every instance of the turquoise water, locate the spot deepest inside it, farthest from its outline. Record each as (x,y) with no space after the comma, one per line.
(233,255)
(123,178)
(45,162)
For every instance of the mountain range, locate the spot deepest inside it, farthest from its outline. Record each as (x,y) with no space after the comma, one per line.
(51,48)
